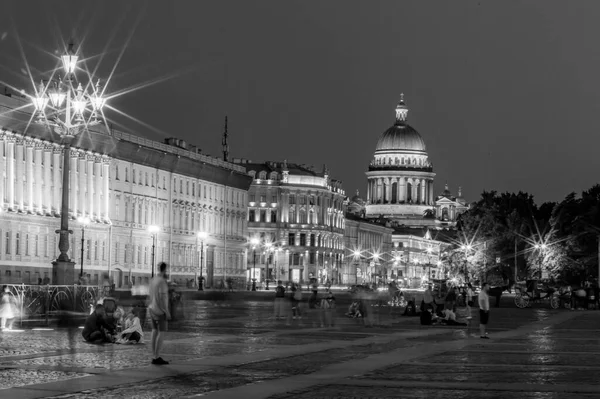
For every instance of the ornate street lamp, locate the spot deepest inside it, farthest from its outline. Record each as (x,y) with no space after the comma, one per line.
(154,231)
(429,251)
(64,106)
(84,221)
(202,236)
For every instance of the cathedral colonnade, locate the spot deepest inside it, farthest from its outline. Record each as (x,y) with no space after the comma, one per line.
(394,190)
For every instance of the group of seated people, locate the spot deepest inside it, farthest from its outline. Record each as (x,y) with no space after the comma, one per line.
(121,328)
(445,317)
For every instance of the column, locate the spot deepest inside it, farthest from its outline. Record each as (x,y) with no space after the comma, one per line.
(29,175)
(415,182)
(423,198)
(3,179)
(39,181)
(73,183)
(368,191)
(134,204)
(105,189)
(83,175)
(47,178)
(19,175)
(431,199)
(56,178)
(386,182)
(10,175)
(91,206)
(97,187)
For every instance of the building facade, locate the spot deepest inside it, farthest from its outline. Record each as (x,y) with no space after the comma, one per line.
(122,184)
(368,251)
(296,215)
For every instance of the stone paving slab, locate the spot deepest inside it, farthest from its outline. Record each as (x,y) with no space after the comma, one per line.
(21,377)
(341,391)
(546,375)
(483,357)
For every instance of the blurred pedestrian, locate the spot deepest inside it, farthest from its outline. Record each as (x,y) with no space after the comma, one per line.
(159,312)
(484,310)
(7,309)
(450,301)
(279,301)
(328,310)
(469,300)
(296,300)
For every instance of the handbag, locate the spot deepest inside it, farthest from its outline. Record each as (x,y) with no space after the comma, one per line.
(298,295)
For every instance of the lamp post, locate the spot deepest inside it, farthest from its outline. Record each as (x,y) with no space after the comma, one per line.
(429,251)
(84,221)
(375,262)
(67,102)
(356,255)
(201,236)
(154,231)
(254,243)
(541,248)
(466,248)
(268,250)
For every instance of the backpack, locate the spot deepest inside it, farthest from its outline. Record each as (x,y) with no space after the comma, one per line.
(298,295)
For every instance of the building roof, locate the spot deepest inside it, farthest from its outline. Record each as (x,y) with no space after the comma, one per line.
(127,147)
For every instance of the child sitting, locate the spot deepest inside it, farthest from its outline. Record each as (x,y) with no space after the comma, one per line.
(132,334)
(354,310)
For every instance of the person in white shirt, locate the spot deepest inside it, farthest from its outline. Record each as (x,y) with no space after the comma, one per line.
(159,311)
(132,333)
(484,309)
(469,300)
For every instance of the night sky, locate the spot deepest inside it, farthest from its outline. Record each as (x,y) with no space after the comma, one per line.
(504,93)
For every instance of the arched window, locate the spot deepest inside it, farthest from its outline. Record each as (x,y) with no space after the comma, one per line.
(252,173)
(262,175)
(273,176)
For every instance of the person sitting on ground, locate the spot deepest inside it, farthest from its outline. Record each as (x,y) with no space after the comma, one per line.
(410,309)
(354,310)
(132,334)
(449,319)
(96,329)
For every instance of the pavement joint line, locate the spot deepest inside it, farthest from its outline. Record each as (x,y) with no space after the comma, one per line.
(525,366)
(338,372)
(505,386)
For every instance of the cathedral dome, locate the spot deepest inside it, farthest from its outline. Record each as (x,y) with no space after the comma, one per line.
(401,137)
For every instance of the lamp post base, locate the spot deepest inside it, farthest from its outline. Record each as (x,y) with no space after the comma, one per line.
(253,284)
(63,273)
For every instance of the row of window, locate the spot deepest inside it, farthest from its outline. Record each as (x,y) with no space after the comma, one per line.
(190,189)
(25,244)
(313,241)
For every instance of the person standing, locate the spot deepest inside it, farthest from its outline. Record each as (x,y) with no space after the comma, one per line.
(451,299)
(484,310)
(159,311)
(7,314)
(296,299)
(428,299)
(279,300)
(469,300)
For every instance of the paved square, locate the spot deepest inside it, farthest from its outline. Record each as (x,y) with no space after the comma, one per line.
(532,353)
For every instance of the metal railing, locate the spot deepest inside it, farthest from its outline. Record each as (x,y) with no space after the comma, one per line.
(44,301)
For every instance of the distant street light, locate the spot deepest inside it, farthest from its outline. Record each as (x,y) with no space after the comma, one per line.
(84,221)
(254,241)
(201,236)
(154,231)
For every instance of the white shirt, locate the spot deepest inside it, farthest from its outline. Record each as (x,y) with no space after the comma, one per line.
(133,325)
(159,296)
(484,300)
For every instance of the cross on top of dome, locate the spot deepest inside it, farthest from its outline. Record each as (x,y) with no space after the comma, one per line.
(401,111)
